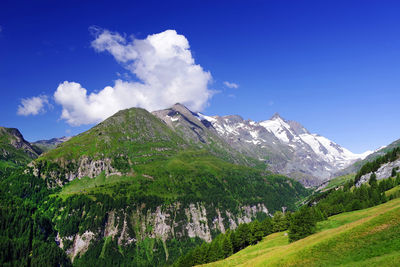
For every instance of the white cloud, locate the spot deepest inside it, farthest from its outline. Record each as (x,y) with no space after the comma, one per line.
(33,105)
(164,66)
(231,85)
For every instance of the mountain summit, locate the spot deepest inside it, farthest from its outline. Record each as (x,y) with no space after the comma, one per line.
(276,116)
(166,176)
(14,148)
(286,146)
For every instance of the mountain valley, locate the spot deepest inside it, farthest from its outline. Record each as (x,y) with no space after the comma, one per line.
(152,186)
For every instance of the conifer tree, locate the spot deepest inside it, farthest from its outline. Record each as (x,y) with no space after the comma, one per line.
(372,180)
(256,232)
(267,226)
(302,224)
(393,172)
(227,248)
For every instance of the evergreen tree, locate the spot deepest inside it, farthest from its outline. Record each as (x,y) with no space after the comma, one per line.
(302,224)
(372,180)
(256,232)
(227,247)
(318,214)
(267,226)
(375,196)
(394,172)
(280,222)
(215,251)
(242,237)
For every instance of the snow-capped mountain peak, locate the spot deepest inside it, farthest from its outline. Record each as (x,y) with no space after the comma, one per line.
(294,134)
(287,145)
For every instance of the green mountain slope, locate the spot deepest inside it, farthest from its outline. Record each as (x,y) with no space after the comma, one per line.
(202,135)
(46,145)
(369,237)
(118,145)
(133,189)
(357,165)
(14,149)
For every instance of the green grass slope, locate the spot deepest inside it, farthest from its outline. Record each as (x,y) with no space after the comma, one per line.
(369,237)
(157,169)
(133,140)
(132,132)
(157,163)
(338,181)
(127,140)
(14,150)
(194,176)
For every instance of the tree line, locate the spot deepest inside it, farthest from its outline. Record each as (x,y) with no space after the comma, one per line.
(27,236)
(299,224)
(374,165)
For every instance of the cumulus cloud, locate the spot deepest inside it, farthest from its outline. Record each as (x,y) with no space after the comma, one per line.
(33,105)
(166,73)
(231,85)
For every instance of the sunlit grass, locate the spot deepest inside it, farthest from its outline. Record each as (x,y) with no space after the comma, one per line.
(393,191)
(340,180)
(369,237)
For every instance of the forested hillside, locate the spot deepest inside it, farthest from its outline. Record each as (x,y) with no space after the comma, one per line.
(131,191)
(368,237)
(305,221)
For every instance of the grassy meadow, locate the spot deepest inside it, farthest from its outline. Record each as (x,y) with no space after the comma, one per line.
(369,237)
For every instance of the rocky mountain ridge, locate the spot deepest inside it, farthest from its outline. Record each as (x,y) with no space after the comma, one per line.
(164,223)
(13,146)
(286,147)
(353,168)
(384,171)
(168,181)
(48,144)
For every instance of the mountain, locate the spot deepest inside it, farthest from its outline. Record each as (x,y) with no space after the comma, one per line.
(115,146)
(46,145)
(384,171)
(382,167)
(201,134)
(142,190)
(14,148)
(286,146)
(353,168)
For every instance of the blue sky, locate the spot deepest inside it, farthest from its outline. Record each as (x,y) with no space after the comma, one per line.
(331,65)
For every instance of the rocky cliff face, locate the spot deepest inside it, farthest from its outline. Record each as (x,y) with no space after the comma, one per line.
(63,171)
(286,146)
(385,171)
(199,132)
(13,145)
(353,168)
(46,145)
(163,223)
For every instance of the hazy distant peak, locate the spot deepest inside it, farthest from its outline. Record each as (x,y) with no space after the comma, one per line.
(276,116)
